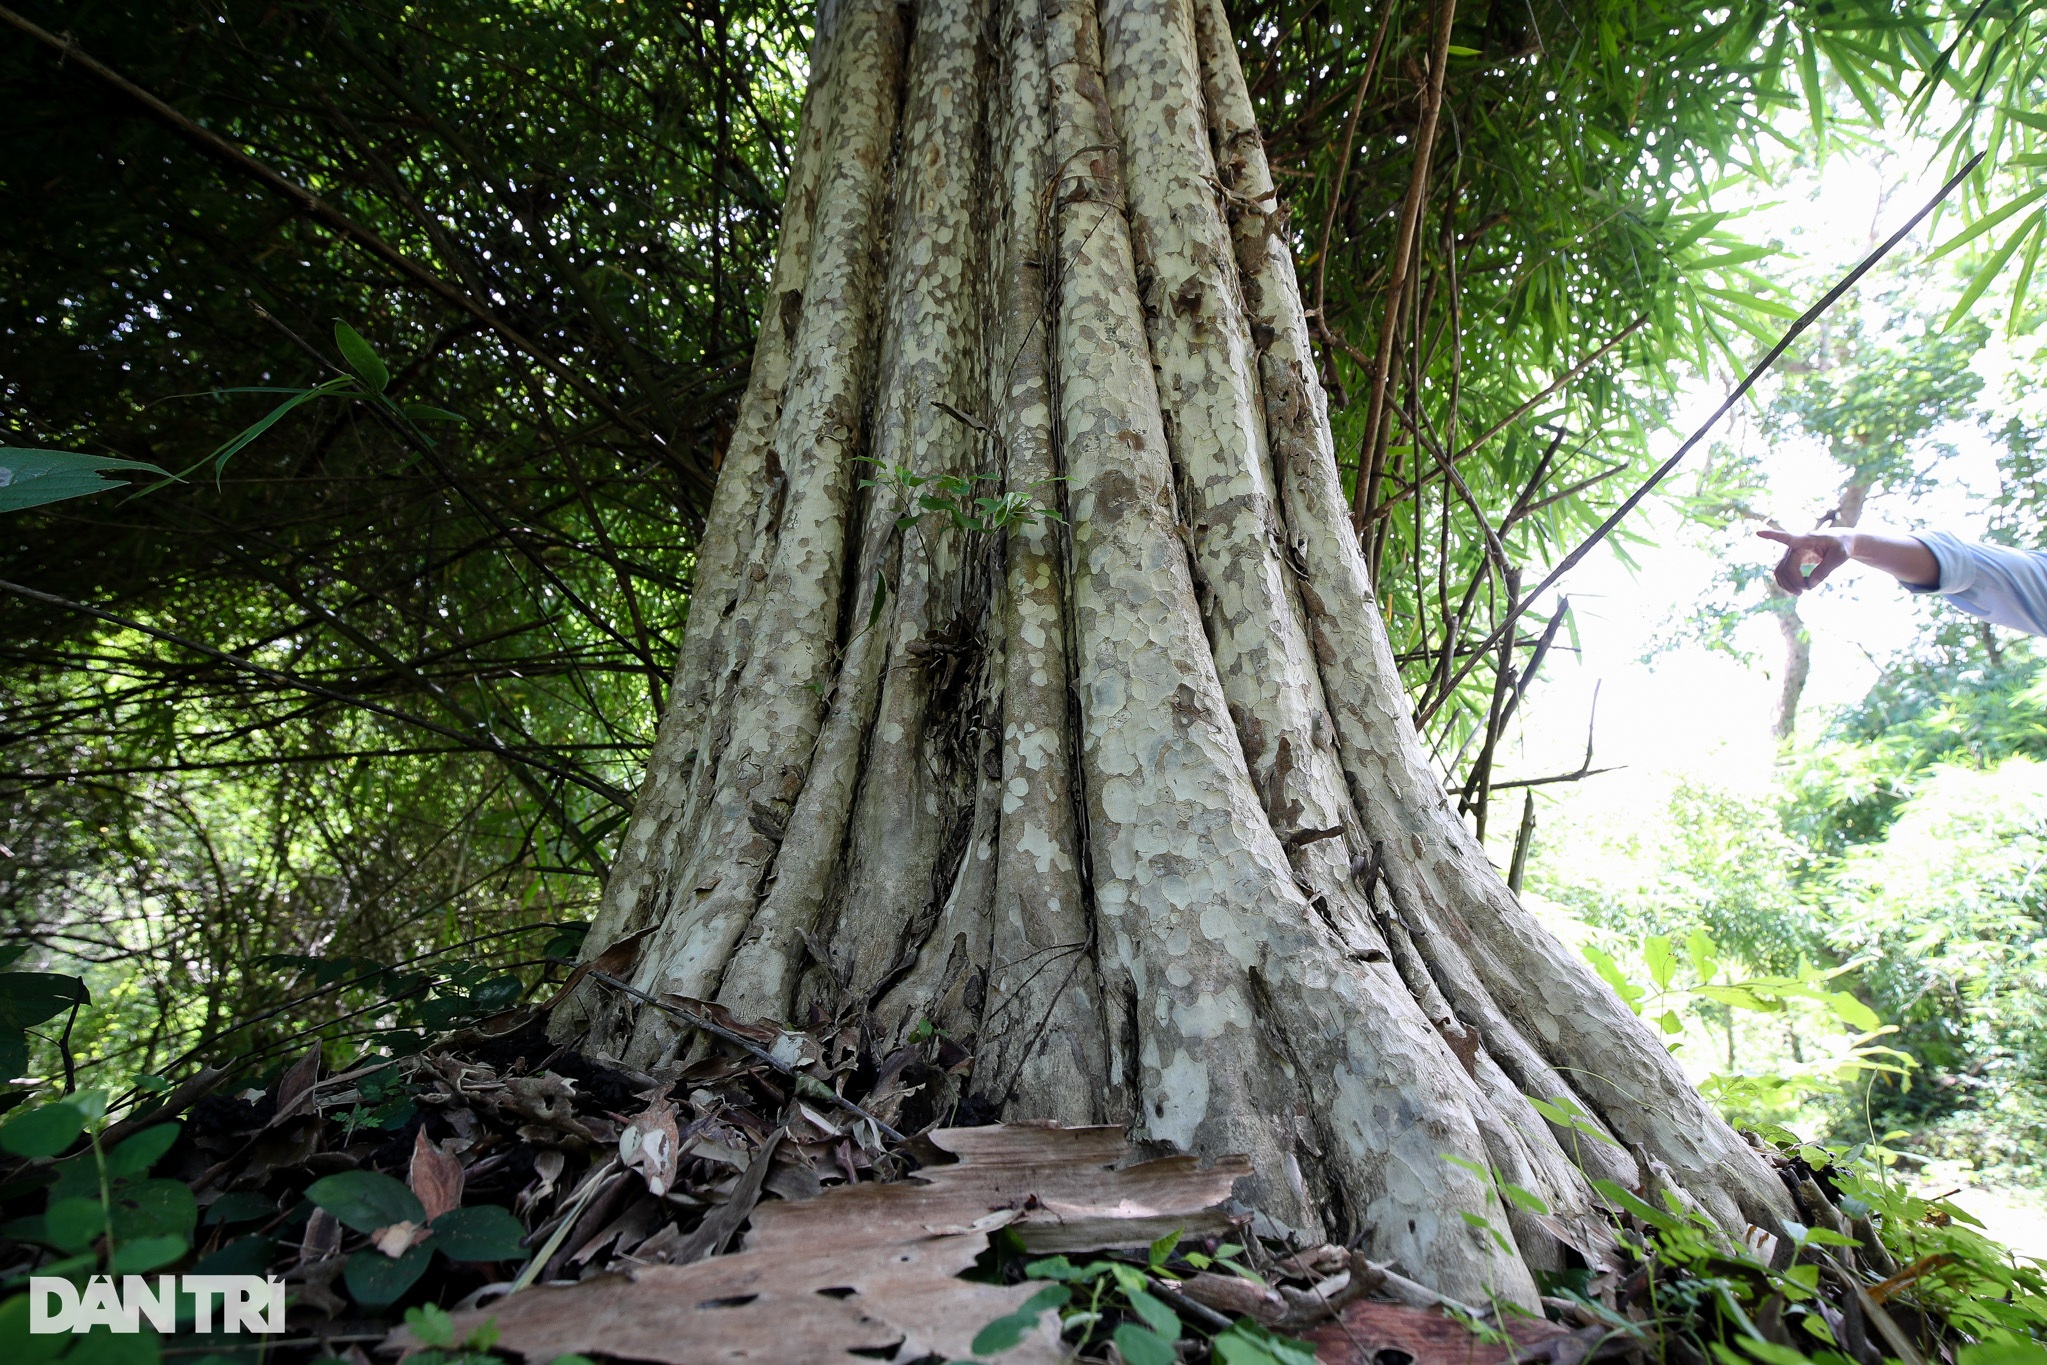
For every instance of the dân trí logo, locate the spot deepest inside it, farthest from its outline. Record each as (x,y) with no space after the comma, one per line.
(248,1303)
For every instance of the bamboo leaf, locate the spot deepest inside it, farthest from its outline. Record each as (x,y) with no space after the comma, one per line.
(2017,311)
(1752,302)
(1815,93)
(31,478)
(1985,223)
(237,443)
(1991,270)
(361,358)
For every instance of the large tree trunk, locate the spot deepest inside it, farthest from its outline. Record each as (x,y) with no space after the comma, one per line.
(1066,790)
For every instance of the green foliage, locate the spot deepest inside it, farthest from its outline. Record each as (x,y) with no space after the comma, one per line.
(1947,702)
(1734,1305)
(1709,859)
(1573,202)
(375,1280)
(31,478)
(103,1214)
(1949,906)
(438,644)
(1878,385)
(1008,1330)
(373,1203)
(1884,391)
(1690,994)
(1963,1275)
(1891,877)
(435,1330)
(366,1200)
(26,1000)
(483,1232)
(1249,1343)
(953,497)
(1112,1301)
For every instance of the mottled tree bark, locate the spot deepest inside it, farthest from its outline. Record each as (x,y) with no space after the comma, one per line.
(1129,803)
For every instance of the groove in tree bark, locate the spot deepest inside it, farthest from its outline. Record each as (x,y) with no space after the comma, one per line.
(1130,804)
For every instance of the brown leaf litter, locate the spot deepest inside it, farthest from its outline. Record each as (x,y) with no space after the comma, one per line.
(756,1199)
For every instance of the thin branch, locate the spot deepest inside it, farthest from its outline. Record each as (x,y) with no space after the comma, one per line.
(1350,130)
(1756,372)
(747,1045)
(1403,252)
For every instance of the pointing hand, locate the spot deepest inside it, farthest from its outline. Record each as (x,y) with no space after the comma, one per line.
(1822,552)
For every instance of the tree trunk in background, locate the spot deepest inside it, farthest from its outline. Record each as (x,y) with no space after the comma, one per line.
(1088,796)
(1797,640)
(1797,663)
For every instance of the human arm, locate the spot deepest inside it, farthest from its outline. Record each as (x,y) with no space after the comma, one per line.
(2004,586)
(1904,558)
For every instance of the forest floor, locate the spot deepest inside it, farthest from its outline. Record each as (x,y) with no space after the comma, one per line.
(786,1195)
(2015,1215)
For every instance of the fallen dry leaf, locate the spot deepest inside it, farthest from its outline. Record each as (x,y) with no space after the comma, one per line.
(822,1307)
(715,1232)
(548,1165)
(550,1101)
(617,960)
(1068,1183)
(649,1145)
(396,1239)
(435,1177)
(1001,1218)
(322,1237)
(295,1087)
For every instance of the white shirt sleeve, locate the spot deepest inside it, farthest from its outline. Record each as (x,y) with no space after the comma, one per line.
(2003,586)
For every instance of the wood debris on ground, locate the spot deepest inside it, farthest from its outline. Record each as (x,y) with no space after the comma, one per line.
(776,1195)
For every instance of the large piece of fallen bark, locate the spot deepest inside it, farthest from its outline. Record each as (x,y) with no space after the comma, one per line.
(876,1266)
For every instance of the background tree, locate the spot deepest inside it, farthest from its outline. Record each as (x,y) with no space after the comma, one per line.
(1883,391)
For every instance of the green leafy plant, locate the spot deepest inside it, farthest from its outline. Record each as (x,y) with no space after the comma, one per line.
(420,1002)
(29,999)
(1109,1300)
(435,1330)
(31,478)
(1667,998)
(1738,1307)
(954,497)
(103,1214)
(403,1239)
